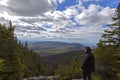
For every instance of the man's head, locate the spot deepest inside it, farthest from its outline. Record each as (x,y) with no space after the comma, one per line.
(87,49)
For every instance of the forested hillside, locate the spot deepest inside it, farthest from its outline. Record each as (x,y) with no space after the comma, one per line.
(66,57)
(16,60)
(46,48)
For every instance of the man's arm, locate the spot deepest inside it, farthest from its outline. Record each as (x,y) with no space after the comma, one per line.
(85,61)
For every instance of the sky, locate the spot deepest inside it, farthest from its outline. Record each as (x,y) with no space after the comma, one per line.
(75,21)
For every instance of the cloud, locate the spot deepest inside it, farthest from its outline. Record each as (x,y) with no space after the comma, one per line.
(61,1)
(29,7)
(40,19)
(90,20)
(90,0)
(95,15)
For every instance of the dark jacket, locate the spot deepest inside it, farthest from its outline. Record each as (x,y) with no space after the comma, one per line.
(88,63)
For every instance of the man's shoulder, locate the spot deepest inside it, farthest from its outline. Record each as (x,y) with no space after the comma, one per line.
(90,55)
(87,56)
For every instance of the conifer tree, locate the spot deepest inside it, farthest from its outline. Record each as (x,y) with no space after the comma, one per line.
(16,60)
(112,35)
(8,52)
(108,52)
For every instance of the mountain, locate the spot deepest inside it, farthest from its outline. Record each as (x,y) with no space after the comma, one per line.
(48,48)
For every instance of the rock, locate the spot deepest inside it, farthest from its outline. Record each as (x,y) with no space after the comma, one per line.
(42,78)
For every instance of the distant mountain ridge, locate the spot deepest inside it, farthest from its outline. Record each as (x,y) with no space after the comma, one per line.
(54,47)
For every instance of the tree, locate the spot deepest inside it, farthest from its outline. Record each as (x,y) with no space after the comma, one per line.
(107,51)
(9,53)
(16,60)
(112,35)
(69,71)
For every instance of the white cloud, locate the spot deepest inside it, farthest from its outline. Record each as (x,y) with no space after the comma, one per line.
(61,1)
(29,7)
(3,2)
(40,19)
(70,12)
(90,0)
(95,15)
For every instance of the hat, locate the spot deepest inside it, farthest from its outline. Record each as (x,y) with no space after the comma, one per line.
(88,49)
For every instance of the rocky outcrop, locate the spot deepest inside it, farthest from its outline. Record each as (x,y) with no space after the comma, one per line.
(42,78)
(45,78)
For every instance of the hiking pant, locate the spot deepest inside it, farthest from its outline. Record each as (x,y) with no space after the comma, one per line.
(86,75)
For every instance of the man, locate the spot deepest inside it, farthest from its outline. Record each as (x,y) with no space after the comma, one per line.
(88,64)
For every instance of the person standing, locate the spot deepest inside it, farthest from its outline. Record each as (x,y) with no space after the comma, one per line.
(88,64)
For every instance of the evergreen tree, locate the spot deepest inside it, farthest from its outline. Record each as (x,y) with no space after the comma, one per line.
(112,35)
(107,51)
(69,71)
(16,60)
(8,49)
